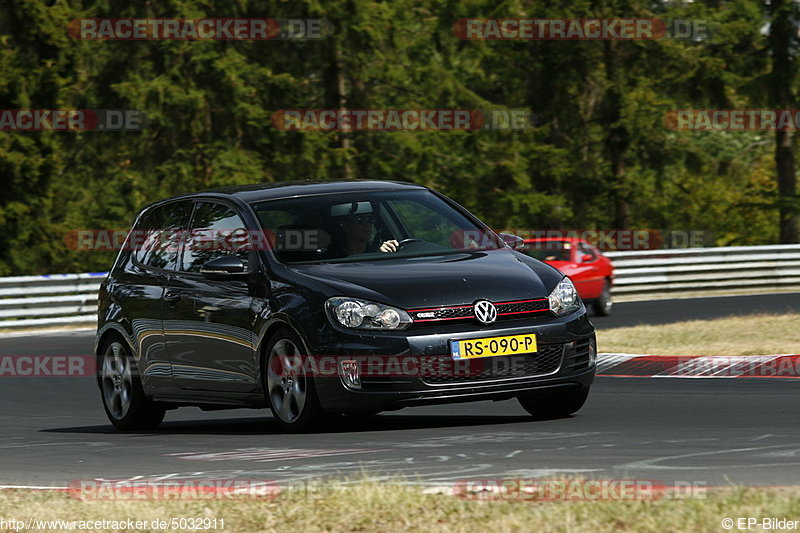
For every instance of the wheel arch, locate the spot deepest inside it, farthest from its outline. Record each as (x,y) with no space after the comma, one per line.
(270,328)
(111,330)
(108,331)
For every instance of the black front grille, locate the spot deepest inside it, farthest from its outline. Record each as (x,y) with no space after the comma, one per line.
(505,310)
(385,383)
(442,369)
(579,358)
(529,306)
(453,312)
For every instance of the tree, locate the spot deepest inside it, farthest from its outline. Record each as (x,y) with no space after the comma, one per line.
(783,46)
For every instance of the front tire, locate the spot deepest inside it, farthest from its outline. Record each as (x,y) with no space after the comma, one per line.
(602,306)
(291,394)
(554,405)
(124,400)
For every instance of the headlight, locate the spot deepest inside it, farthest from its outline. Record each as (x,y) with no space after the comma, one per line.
(355,313)
(564,298)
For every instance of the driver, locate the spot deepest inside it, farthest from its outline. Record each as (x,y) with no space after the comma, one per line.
(356,224)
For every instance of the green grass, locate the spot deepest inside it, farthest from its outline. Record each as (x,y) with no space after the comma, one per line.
(758,334)
(391,507)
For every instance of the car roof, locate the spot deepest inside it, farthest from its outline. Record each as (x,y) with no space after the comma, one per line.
(257,192)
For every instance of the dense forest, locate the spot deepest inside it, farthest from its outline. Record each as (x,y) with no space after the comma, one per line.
(601,152)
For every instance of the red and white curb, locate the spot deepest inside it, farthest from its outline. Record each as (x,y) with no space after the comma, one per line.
(784,366)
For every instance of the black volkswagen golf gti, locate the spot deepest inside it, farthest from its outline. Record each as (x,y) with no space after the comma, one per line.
(323,298)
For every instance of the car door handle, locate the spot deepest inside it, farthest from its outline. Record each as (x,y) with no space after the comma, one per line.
(172,297)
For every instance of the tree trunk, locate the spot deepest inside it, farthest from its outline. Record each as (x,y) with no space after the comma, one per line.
(782,36)
(787,187)
(617,138)
(336,98)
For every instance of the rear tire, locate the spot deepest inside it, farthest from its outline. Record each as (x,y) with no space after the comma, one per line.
(124,400)
(292,395)
(556,404)
(602,306)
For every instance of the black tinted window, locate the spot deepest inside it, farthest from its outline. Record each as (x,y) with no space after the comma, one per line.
(156,238)
(353,226)
(216,231)
(587,250)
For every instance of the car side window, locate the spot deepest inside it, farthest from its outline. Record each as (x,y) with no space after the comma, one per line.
(156,238)
(216,230)
(587,250)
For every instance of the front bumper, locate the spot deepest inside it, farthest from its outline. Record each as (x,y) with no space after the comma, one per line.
(565,359)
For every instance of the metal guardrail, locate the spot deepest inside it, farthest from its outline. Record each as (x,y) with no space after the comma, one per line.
(50,300)
(71,299)
(705,270)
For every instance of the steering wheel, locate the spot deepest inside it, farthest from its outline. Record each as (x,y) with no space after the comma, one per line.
(406,241)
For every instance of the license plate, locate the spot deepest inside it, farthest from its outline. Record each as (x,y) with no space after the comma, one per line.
(493,346)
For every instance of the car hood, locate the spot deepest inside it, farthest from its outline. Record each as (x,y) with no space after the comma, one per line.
(453,279)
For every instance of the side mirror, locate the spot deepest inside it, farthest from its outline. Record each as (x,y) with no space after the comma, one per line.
(512,241)
(227,267)
(587,258)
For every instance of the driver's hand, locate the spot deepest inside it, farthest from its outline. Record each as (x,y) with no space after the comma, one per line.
(389,246)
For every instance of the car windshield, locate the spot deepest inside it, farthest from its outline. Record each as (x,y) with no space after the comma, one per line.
(367,226)
(549,250)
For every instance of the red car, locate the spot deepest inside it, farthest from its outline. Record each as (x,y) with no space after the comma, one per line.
(590,271)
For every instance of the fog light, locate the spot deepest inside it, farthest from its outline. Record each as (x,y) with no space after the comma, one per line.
(349,374)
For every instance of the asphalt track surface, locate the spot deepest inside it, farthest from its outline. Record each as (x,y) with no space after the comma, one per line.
(712,432)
